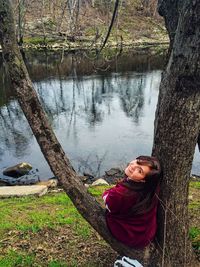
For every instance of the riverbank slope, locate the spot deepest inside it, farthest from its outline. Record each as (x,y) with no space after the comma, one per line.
(47,24)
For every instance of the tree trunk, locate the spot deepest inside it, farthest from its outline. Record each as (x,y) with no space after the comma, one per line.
(177,126)
(170,10)
(177,122)
(50,147)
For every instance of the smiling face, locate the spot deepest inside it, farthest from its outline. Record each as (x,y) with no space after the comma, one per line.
(137,172)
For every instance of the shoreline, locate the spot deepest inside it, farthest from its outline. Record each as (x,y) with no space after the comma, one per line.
(73,47)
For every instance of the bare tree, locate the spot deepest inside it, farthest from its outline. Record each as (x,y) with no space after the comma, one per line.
(150,7)
(50,147)
(63,8)
(177,126)
(73,10)
(21,11)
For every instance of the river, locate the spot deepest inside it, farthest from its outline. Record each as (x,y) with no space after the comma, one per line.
(101,111)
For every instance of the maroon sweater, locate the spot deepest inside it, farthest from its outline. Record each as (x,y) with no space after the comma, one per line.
(134,230)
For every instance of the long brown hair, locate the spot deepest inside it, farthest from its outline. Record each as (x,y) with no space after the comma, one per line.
(148,189)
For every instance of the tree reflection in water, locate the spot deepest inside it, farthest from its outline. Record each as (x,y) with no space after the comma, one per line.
(94,116)
(15,132)
(132,96)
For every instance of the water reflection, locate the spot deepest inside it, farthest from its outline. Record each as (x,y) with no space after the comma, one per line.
(132,97)
(100,128)
(102,120)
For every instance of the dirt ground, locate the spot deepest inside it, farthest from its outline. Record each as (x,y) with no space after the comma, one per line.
(61,245)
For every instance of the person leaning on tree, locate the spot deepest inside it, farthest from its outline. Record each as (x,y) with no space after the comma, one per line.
(131,205)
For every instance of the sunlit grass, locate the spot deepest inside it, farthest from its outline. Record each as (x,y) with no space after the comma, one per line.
(57,264)
(54,210)
(15,259)
(194,205)
(33,213)
(195,184)
(194,234)
(97,191)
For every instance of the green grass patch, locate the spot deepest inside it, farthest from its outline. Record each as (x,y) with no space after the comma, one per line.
(38,40)
(194,205)
(52,210)
(97,191)
(15,259)
(195,184)
(83,230)
(33,214)
(57,264)
(194,234)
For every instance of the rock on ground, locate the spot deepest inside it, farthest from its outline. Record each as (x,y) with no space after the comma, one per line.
(51,183)
(100,181)
(18,170)
(19,191)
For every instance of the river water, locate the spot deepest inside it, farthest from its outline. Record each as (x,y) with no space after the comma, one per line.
(102,112)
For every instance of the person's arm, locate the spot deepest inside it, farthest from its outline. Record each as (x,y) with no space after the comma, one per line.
(113,199)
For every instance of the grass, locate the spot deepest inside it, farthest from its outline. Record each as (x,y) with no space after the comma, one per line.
(194,234)
(54,211)
(38,40)
(33,213)
(16,259)
(194,205)
(195,184)
(57,264)
(97,191)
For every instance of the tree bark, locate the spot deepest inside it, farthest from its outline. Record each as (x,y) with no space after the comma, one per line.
(177,126)
(50,147)
(170,10)
(176,129)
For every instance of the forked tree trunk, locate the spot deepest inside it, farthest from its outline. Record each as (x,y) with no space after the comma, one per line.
(177,127)
(50,147)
